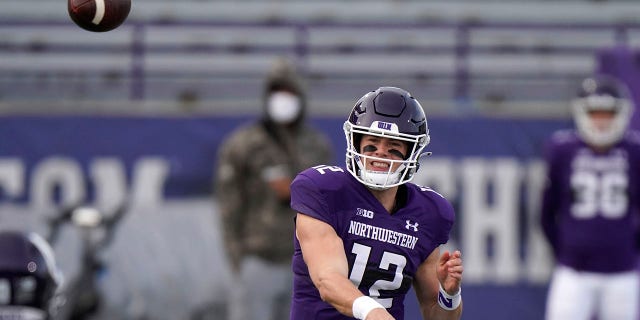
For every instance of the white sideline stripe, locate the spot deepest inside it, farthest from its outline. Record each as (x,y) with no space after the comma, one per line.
(99,12)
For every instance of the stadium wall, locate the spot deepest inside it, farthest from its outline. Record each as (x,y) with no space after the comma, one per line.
(167,250)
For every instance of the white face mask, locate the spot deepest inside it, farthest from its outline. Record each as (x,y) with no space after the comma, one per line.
(283,107)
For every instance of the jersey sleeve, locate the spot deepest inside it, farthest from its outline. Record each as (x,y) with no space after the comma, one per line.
(447,218)
(309,199)
(437,213)
(551,191)
(634,140)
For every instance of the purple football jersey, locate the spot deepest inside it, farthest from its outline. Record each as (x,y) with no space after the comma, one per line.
(590,203)
(383,250)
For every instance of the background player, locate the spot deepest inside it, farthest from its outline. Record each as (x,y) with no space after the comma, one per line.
(364,237)
(591,195)
(29,278)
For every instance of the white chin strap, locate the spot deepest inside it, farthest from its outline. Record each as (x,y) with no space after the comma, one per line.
(379,180)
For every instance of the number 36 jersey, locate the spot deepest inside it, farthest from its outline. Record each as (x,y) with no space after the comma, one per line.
(383,250)
(591,202)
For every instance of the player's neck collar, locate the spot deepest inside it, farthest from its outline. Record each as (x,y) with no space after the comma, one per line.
(401,198)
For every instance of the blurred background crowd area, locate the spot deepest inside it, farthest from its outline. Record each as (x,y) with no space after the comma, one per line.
(133,117)
(488,57)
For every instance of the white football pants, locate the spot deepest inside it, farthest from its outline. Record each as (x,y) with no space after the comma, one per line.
(580,295)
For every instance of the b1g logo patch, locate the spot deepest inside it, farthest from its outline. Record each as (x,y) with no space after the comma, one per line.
(364,213)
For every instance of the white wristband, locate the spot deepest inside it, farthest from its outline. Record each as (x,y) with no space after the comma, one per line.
(363,305)
(447,301)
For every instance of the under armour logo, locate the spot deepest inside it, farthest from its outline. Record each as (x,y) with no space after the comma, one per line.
(412,226)
(443,300)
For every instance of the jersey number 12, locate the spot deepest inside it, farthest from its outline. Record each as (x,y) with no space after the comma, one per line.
(362,253)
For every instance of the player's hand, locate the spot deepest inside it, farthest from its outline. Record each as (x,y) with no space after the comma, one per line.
(379,314)
(449,271)
(280,187)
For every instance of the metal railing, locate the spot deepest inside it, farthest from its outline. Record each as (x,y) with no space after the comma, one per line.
(219,65)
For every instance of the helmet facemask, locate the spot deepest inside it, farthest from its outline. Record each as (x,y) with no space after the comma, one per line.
(399,171)
(602,110)
(589,130)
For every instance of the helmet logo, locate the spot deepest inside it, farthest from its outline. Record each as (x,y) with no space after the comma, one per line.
(385,126)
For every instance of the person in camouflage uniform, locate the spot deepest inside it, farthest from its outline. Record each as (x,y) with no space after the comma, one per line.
(257,163)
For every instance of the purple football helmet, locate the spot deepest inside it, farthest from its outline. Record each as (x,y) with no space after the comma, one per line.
(29,277)
(392,113)
(602,93)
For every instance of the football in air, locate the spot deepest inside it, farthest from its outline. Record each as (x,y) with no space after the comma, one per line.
(98,15)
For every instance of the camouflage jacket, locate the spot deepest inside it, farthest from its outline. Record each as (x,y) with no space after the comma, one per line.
(255,221)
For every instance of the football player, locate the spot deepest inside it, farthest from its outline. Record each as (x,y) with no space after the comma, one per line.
(590,198)
(364,233)
(29,278)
